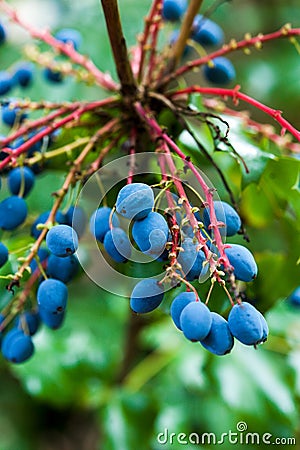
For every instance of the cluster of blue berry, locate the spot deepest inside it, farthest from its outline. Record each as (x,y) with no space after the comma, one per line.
(150,232)
(22,74)
(56,262)
(206,33)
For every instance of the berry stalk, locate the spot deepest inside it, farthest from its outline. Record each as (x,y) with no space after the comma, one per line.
(54,126)
(157,130)
(256,41)
(103,79)
(237,95)
(60,195)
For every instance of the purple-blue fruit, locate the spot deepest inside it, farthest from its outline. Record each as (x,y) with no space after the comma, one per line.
(69,36)
(17,347)
(29,322)
(151,234)
(173,10)
(146,296)
(12,116)
(222,71)
(53,321)
(54,76)
(219,339)
(99,222)
(294,298)
(245,268)
(135,201)
(224,213)
(6,83)
(206,32)
(76,218)
(23,75)
(117,245)
(13,212)
(245,323)
(63,269)
(2,34)
(62,240)
(195,321)
(59,217)
(188,256)
(178,304)
(21,181)
(52,295)
(3,254)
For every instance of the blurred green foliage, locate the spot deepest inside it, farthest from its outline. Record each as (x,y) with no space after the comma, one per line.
(78,392)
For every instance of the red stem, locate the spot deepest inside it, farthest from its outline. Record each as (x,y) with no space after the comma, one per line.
(237,95)
(172,222)
(154,29)
(49,129)
(208,192)
(154,11)
(132,155)
(103,79)
(266,130)
(255,41)
(37,123)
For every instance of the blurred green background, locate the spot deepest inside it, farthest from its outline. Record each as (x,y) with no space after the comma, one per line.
(111,381)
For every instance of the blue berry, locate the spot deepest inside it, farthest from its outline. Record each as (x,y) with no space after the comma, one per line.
(17,347)
(6,82)
(188,256)
(42,255)
(70,36)
(23,75)
(11,116)
(117,245)
(99,222)
(63,269)
(59,217)
(265,328)
(21,181)
(52,295)
(178,304)
(245,324)
(294,298)
(195,321)
(206,32)
(224,213)
(151,234)
(173,10)
(3,254)
(219,339)
(62,240)
(35,148)
(13,212)
(198,268)
(2,34)
(135,201)
(222,71)
(146,296)
(54,76)
(29,322)
(76,218)
(53,321)
(245,268)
